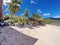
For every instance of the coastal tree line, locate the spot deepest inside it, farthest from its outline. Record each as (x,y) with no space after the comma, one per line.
(25,18)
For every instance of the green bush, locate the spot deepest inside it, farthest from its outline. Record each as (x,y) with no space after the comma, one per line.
(6,17)
(48,21)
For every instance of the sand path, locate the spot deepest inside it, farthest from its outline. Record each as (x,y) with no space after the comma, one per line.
(46,35)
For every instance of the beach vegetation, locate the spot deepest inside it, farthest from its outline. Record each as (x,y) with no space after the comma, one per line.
(25,18)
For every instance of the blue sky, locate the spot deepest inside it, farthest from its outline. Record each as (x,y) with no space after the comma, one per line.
(46,8)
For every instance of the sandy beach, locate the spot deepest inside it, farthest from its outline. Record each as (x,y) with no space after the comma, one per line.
(40,35)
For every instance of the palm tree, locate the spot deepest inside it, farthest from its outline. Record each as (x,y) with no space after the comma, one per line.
(33,15)
(33,18)
(39,19)
(14,7)
(36,18)
(26,14)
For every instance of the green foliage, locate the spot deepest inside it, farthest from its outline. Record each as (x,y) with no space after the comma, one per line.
(38,16)
(35,18)
(13,6)
(6,17)
(47,21)
(24,19)
(26,14)
(16,19)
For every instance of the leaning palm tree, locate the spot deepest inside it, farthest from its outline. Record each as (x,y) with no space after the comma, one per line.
(14,7)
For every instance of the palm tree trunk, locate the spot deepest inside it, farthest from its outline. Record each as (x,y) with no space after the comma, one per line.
(11,18)
(1,15)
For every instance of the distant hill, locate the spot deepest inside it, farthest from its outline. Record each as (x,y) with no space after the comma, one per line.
(54,18)
(55,21)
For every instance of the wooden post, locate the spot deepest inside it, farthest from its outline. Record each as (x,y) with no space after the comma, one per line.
(1,15)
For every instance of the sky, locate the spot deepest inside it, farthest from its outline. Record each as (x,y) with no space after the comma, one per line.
(46,8)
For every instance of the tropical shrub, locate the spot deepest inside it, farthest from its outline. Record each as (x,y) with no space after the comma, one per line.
(22,21)
(7,17)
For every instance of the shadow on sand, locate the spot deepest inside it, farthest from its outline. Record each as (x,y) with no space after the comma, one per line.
(13,37)
(28,26)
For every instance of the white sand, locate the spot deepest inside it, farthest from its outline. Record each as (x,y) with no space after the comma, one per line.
(46,35)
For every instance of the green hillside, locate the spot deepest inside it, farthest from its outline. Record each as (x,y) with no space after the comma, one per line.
(54,21)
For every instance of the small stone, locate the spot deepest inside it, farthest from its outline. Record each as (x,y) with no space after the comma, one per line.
(0,32)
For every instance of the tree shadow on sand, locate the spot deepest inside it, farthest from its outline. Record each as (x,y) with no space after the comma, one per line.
(28,26)
(13,37)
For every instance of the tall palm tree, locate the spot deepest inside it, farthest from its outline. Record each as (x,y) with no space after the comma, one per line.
(1,15)
(33,15)
(38,16)
(14,7)
(26,14)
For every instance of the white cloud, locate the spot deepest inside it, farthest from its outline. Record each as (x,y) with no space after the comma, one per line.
(18,5)
(33,2)
(7,14)
(58,16)
(46,14)
(4,1)
(39,11)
